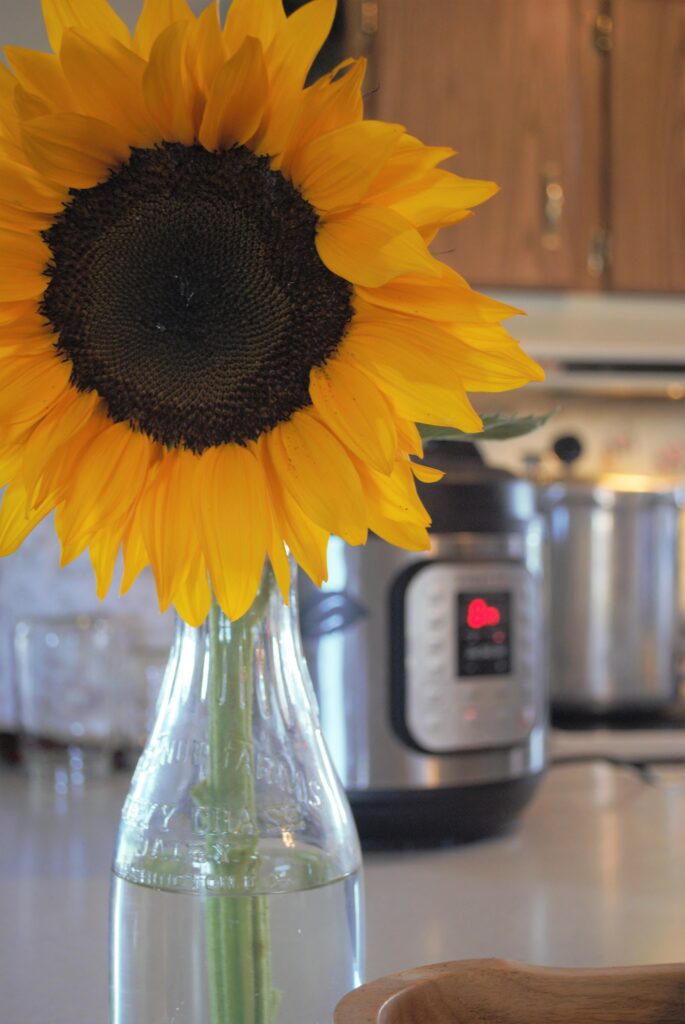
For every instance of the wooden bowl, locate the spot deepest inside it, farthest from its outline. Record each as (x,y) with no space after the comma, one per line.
(502,992)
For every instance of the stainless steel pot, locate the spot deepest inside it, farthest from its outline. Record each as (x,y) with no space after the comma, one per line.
(614,577)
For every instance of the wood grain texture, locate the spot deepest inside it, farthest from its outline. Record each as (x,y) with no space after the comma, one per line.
(648,145)
(501,992)
(513,85)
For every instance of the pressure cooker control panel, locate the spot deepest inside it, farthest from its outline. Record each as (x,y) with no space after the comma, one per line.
(470,676)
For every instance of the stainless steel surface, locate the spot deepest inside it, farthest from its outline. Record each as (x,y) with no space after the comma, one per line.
(350,659)
(444,713)
(614,568)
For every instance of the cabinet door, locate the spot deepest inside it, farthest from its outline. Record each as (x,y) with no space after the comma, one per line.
(514,87)
(648,145)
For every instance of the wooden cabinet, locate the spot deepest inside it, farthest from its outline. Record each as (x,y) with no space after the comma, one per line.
(575,107)
(647,145)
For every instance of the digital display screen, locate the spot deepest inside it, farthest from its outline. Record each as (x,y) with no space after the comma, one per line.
(484,640)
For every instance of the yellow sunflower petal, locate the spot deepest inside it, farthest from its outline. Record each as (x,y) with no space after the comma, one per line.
(260,20)
(17,283)
(307,541)
(394,509)
(28,105)
(102,491)
(445,199)
(15,219)
(481,357)
(27,252)
(318,473)
(167,519)
(10,150)
(9,125)
(443,406)
(410,162)
(408,436)
(135,553)
(24,187)
(24,258)
(331,103)
(501,370)
(418,388)
(407,341)
(103,550)
(370,246)
(155,17)
(168,88)
(446,191)
(107,82)
(29,329)
(74,150)
(56,474)
(66,418)
(94,17)
(16,521)
(393,496)
(108,478)
(426,474)
(16,434)
(408,536)
(193,597)
(299,39)
(42,75)
(355,410)
(10,460)
(206,49)
(289,58)
(488,337)
(446,298)
(13,313)
(232,520)
(236,103)
(278,556)
(25,345)
(335,170)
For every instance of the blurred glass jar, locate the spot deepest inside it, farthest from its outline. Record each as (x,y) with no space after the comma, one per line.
(32,585)
(68,699)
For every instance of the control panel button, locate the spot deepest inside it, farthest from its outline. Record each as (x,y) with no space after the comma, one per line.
(469,657)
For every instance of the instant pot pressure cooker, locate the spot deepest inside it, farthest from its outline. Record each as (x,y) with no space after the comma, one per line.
(430,667)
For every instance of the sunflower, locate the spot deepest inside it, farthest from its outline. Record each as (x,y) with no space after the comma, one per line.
(219,316)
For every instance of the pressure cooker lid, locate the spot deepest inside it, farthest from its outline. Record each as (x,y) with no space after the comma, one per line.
(473,497)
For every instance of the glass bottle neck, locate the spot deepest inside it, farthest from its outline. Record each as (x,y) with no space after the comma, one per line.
(229,649)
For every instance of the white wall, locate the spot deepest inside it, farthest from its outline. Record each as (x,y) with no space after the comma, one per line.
(21,22)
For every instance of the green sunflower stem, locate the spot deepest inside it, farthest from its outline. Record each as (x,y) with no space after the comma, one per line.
(238,938)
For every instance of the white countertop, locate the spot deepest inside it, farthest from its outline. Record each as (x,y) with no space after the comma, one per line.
(594,876)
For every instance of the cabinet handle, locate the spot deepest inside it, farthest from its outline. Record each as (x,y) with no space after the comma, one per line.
(552,207)
(604,33)
(369,17)
(599,253)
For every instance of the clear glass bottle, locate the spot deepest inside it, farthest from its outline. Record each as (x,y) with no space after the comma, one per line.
(236,894)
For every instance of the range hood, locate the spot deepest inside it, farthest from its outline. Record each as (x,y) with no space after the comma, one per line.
(616,344)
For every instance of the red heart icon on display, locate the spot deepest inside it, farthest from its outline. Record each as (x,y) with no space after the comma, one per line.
(481,614)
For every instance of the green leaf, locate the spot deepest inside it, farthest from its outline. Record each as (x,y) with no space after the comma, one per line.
(496,427)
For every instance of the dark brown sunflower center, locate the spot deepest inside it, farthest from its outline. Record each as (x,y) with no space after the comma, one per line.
(188,292)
